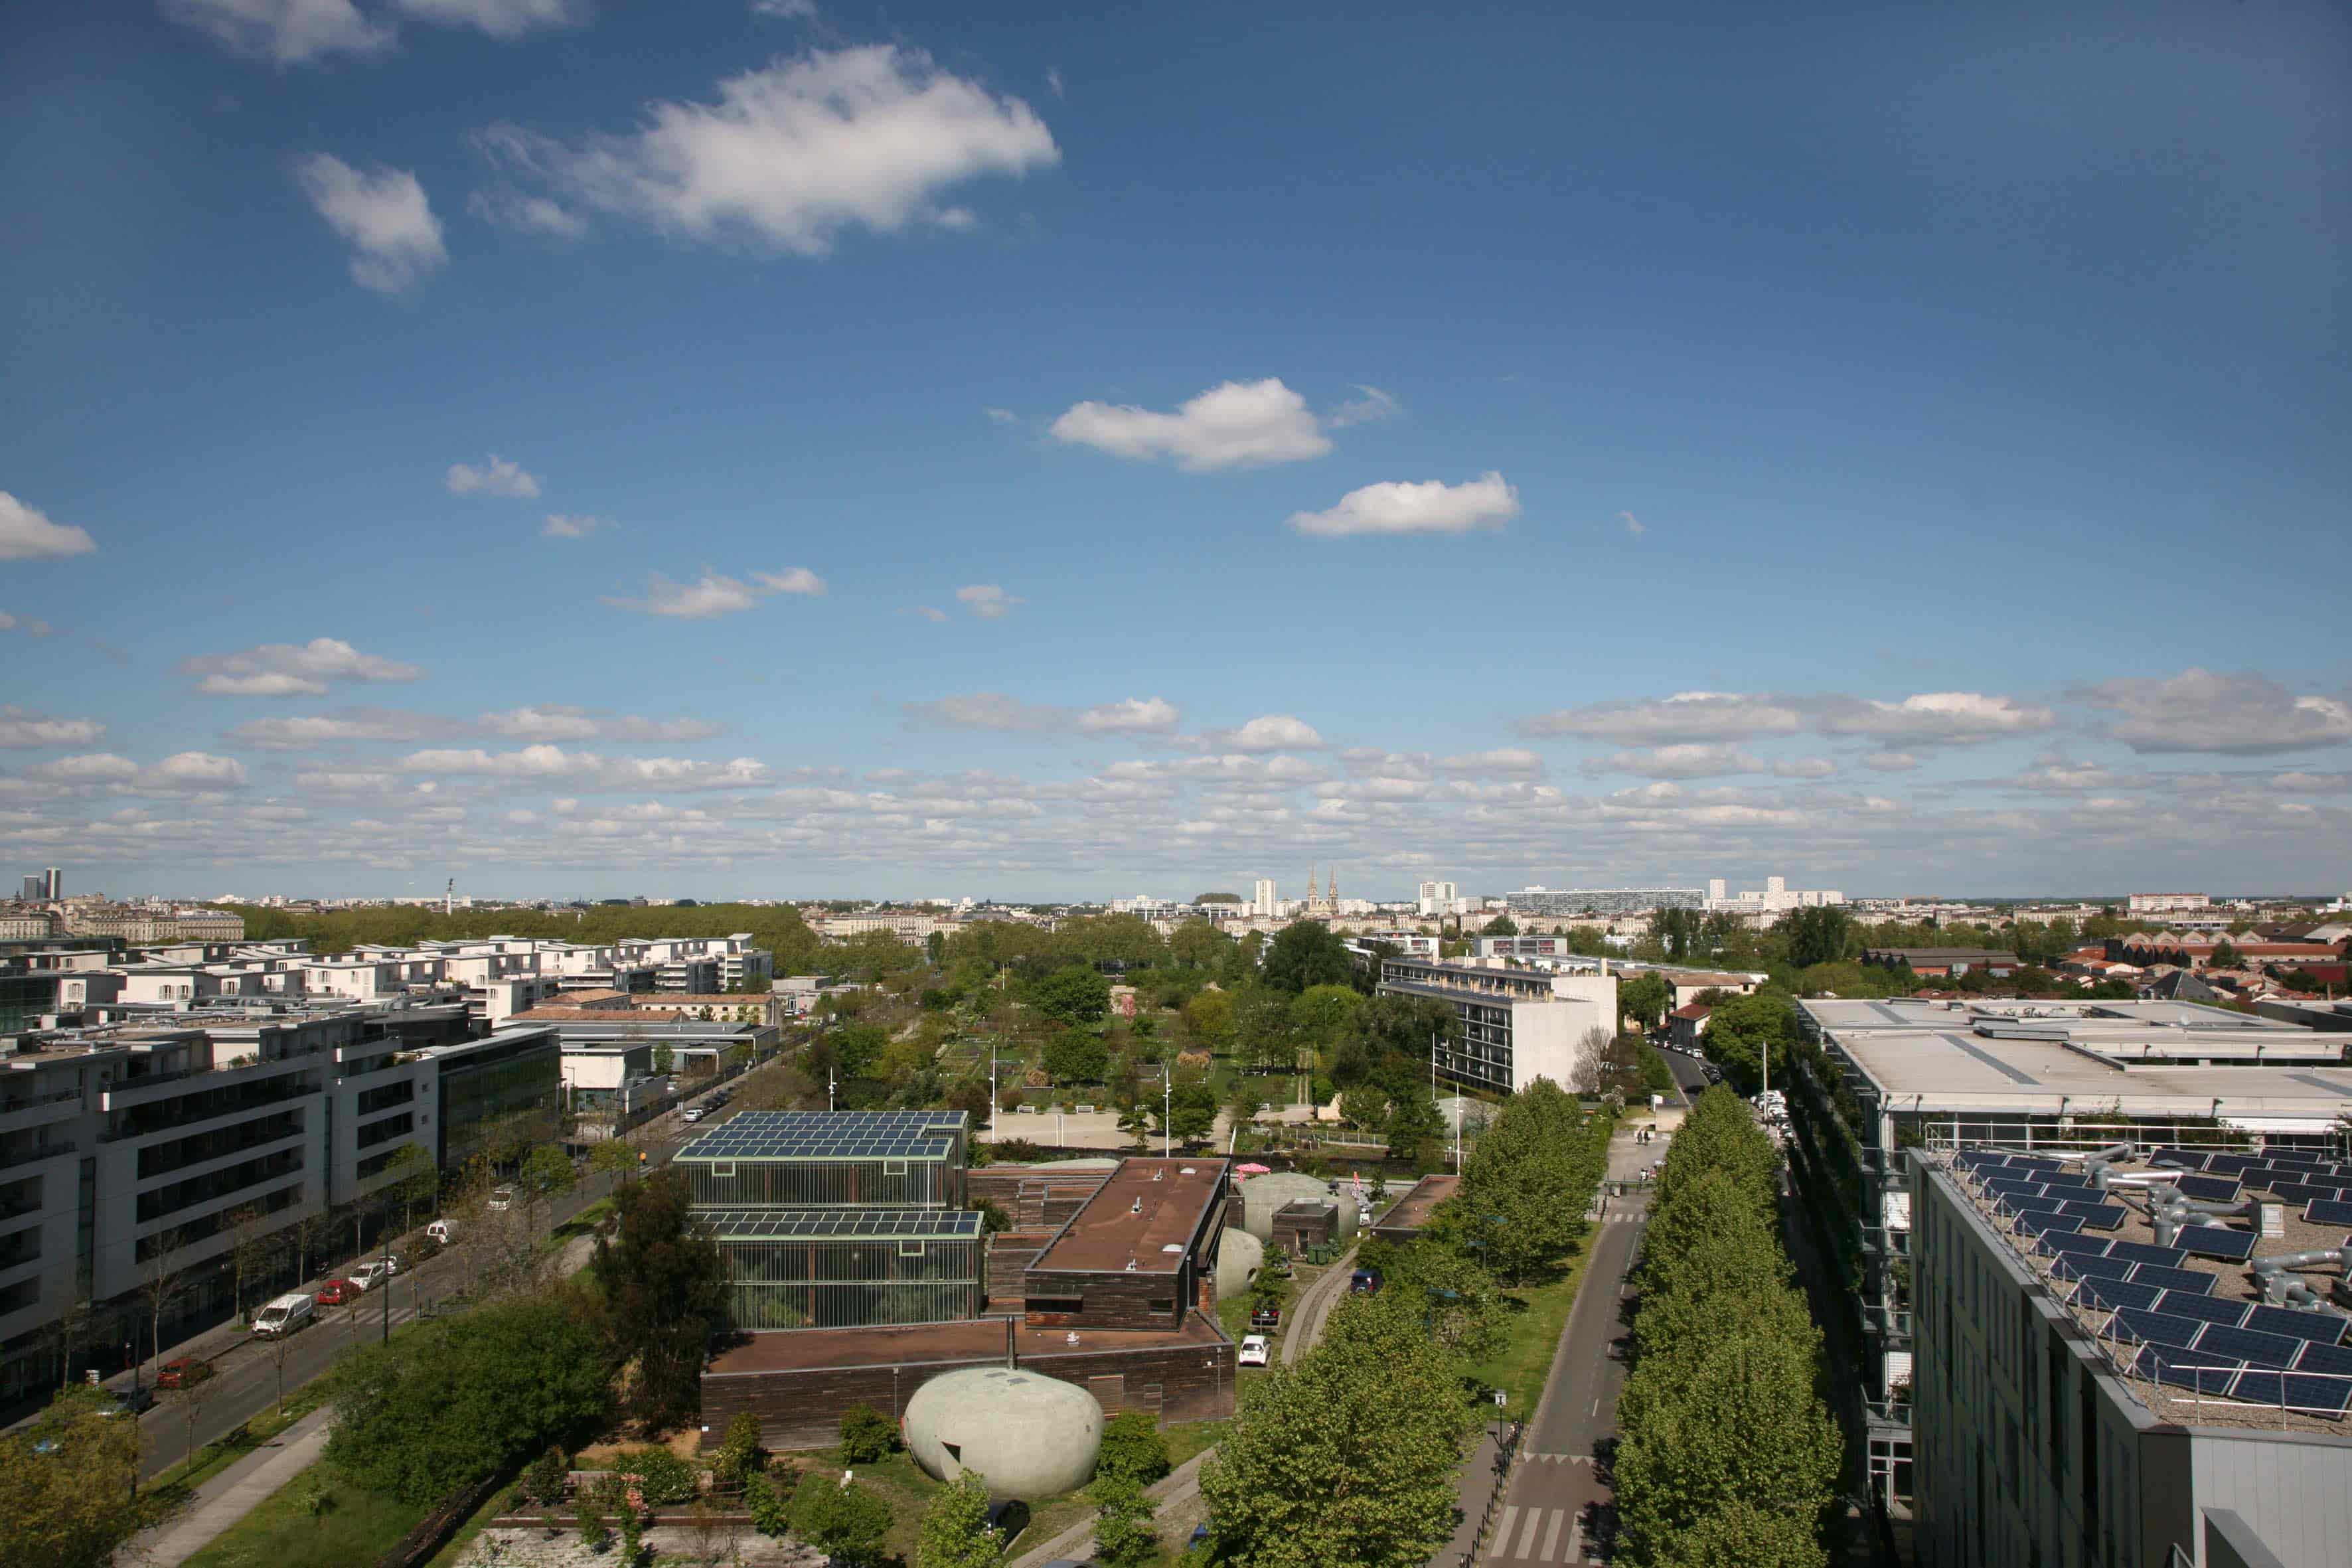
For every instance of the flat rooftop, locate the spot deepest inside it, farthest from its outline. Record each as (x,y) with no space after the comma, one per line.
(924,1344)
(1955,1071)
(830,1135)
(2237,1362)
(1411,1211)
(2084,1019)
(841,1225)
(1140,1220)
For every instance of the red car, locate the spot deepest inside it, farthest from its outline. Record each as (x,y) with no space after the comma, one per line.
(182,1372)
(335,1292)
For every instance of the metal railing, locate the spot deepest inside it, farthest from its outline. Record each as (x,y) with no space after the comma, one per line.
(1507,1450)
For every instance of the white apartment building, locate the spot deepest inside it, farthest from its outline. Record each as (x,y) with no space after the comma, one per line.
(1776,898)
(1515,1025)
(1264,901)
(1439,898)
(2166,903)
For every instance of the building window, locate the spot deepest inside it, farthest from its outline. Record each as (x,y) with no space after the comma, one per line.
(1071,1304)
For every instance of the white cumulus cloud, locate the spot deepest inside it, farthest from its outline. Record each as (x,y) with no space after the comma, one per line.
(498,477)
(286,32)
(291,669)
(1435,507)
(22,727)
(995,712)
(1234,425)
(26,535)
(714,594)
(791,155)
(792,580)
(987,601)
(2245,714)
(561,527)
(385,215)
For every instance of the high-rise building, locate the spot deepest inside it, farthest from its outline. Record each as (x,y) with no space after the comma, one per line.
(1437,898)
(31,890)
(53,884)
(1262,903)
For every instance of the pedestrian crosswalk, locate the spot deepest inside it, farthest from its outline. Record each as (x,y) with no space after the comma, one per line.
(1538,1535)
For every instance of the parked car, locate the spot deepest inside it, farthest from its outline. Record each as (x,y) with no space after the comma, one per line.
(1257,1351)
(335,1292)
(693,1113)
(131,1401)
(373,1272)
(183,1372)
(1265,1318)
(285,1314)
(441,1231)
(501,1199)
(1364,1282)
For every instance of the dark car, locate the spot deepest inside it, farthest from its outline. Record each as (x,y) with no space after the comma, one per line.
(182,1372)
(1364,1282)
(1265,1318)
(127,1402)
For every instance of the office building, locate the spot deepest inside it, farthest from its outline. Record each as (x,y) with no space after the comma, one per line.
(31,891)
(1514,1025)
(2093,1389)
(1565,901)
(1263,904)
(1878,1079)
(1437,898)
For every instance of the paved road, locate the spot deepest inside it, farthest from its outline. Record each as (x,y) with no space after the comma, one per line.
(1554,1501)
(1690,1073)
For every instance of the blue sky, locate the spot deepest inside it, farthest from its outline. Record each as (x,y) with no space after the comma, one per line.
(793,449)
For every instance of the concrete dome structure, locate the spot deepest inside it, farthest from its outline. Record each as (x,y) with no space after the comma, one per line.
(1240,1256)
(1027,1436)
(1262,1196)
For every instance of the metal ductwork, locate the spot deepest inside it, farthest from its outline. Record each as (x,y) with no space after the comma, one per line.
(2095,1164)
(2279,1288)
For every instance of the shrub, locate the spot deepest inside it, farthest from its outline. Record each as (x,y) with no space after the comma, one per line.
(769,1508)
(590,1516)
(847,1522)
(1133,1449)
(662,1476)
(740,1455)
(867,1435)
(543,1481)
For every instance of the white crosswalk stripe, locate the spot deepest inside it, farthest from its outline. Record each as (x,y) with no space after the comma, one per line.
(1540,1536)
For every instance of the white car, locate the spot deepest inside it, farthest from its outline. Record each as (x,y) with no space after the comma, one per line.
(441,1230)
(1255,1350)
(373,1272)
(694,1113)
(502,1200)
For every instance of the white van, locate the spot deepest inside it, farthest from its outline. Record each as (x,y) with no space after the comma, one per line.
(285,1315)
(441,1230)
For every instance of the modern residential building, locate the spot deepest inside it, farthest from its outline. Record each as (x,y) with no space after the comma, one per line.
(2092,1388)
(1514,1025)
(2167,903)
(1776,898)
(1264,902)
(1439,898)
(1882,1077)
(1555,902)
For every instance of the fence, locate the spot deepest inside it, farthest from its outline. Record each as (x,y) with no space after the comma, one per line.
(1507,1449)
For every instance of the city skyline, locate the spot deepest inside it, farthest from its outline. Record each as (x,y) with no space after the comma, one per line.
(796,450)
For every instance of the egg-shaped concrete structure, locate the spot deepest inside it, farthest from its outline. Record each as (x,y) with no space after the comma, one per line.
(1027,1436)
(1264,1196)
(1240,1256)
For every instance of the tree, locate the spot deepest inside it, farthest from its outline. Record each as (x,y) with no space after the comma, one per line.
(1305,953)
(1076,1057)
(613,1156)
(1743,1030)
(1677,932)
(665,1292)
(1501,925)
(67,1484)
(1133,1449)
(1264,1036)
(1644,999)
(867,1435)
(1415,1126)
(415,1180)
(1210,1016)
(1123,1534)
(2225,956)
(162,1279)
(1077,994)
(1349,1455)
(842,1519)
(955,1532)
(453,1400)
(1365,1106)
(1820,933)
(250,1255)
(1190,1110)
(1199,945)
(665,1059)
(547,1174)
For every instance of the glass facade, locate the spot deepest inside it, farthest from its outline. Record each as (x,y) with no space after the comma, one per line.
(749,1182)
(499,1091)
(852,1281)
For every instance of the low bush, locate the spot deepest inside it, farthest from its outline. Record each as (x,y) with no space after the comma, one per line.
(867,1435)
(662,1477)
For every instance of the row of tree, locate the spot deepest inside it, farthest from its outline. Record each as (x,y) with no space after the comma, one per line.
(1726,1452)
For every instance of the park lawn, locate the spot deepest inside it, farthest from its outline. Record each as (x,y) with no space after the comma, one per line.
(217,1457)
(281,1532)
(1523,1364)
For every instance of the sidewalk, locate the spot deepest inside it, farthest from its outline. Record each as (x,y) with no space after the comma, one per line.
(230,1494)
(1482,1476)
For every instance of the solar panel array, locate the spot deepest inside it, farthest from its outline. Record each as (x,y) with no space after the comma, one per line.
(2215,1241)
(830,1135)
(841,1225)
(2325,1211)
(2225,1360)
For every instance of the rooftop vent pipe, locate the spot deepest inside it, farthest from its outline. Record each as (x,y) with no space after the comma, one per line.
(2095,1164)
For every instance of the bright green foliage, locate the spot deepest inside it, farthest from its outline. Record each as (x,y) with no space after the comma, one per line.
(847,1521)
(1643,999)
(1322,1013)
(1349,1455)
(1415,1125)
(867,1435)
(453,1400)
(1740,1031)
(1528,1180)
(70,1507)
(1210,1016)
(1305,953)
(1133,1449)
(1075,1057)
(857,1047)
(1123,1534)
(1821,934)
(665,1293)
(542,1479)
(1074,996)
(739,1455)
(1501,925)
(769,1509)
(662,1477)
(1725,1453)
(1199,944)
(1191,1107)
(955,1532)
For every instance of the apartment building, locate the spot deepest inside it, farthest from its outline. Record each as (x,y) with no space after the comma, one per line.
(2038,1077)
(1556,901)
(2092,1390)
(1514,1025)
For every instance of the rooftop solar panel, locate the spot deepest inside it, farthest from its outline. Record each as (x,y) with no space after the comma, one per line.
(2251,1346)
(841,1225)
(2178,1159)
(2328,1211)
(2189,1369)
(2113,1293)
(830,1135)
(2230,1165)
(2322,1329)
(2027,1203)
(2186,1281)
(2145,1252)
(2048,1223)
(2096,1216)
(2332,1359)
(2205,1309)
(2304,1193)
(2295,1157)
(2058,1183)
(2295,1391)
(2209,1189)
(2213,1241)
(2156,1327)
(2078,1246)
(2075,1267)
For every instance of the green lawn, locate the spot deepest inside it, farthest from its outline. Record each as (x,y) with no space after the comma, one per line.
(358,1528)
(1523,1364)
(213,1458)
